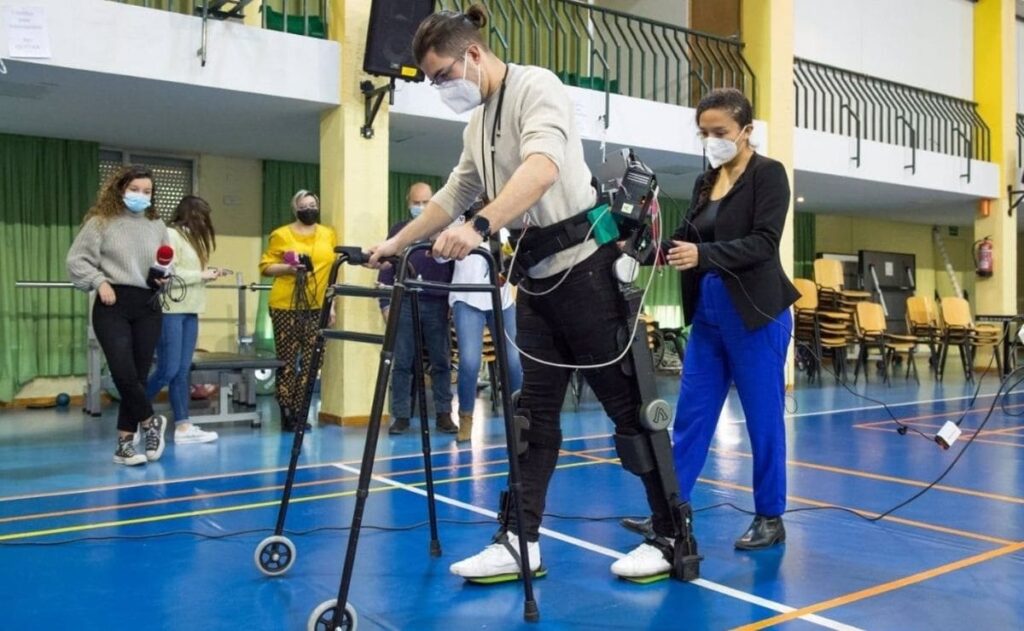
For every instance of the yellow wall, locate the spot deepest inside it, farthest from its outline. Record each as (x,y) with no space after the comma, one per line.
(843,234)
(234,189)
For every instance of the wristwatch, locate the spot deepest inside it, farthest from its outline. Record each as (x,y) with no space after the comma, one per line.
(482,226)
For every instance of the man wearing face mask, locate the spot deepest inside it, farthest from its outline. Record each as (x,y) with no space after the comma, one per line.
(522,150)
(434,322)
(298,257)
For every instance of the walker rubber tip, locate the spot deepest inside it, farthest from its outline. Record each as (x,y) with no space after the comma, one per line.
(530,611)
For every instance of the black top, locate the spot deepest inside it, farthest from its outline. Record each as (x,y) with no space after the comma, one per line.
(705,221)
(745,247)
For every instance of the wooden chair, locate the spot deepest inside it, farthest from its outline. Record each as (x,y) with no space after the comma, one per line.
(818,331)
(957,330)
(828,274)
(872,334)
(923,324)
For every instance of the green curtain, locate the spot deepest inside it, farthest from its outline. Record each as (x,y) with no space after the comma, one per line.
(664,299)
(804,245)
(46,186)
(398,186)
(281,180)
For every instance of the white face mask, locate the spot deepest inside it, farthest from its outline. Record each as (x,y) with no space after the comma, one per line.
(721,150)
(462,95)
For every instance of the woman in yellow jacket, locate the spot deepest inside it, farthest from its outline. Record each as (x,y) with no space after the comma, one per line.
(298,257)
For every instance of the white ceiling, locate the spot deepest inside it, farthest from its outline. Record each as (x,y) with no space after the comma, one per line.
(175,118)
(116,110)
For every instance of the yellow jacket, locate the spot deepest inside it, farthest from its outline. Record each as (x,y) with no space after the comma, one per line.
(319,246)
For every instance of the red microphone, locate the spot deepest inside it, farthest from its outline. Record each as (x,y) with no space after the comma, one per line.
(161,269)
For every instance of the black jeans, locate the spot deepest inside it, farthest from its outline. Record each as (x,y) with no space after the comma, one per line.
(128,332)
(580,322)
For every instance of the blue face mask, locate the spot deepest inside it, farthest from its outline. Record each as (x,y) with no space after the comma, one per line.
(136,202)
(416,210)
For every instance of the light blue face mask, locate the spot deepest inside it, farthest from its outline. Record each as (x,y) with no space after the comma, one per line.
(416,210)
(136,202)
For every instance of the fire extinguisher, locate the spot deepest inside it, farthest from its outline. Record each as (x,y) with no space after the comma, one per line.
(983,257)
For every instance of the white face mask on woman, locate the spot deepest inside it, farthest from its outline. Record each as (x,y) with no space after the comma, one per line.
(721,150)
(462,95)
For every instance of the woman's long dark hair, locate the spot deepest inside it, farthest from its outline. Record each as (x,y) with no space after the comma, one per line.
(192,219)
(738,106)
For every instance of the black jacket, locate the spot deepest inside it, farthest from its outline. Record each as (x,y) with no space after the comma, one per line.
(748,228)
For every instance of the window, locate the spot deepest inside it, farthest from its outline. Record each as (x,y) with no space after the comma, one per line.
(175,177)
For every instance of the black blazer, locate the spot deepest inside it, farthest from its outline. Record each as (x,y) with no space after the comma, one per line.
(748,228)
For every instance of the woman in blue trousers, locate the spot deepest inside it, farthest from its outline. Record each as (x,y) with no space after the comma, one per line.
(737,297)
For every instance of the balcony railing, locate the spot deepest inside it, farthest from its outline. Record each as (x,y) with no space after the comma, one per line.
(839,101)
(1020,139)
(613,51)
(300,17)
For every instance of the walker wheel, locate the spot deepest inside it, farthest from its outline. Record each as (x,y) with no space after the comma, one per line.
(323,617)
(275,555)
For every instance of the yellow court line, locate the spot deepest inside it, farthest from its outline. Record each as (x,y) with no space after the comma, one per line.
(898,520)
(258,489)
(884,587)
(884,478)
(252,506)
(245,472)
(976,440)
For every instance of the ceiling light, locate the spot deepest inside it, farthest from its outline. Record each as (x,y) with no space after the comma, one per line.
(800,200)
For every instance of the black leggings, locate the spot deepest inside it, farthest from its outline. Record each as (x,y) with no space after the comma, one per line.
(128,332)
(578,323)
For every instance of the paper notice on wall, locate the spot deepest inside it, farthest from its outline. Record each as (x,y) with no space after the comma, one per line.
(28,35)
(889,271)
(584,119)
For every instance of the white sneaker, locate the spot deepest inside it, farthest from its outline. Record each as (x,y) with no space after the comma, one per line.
(194,435)
(496,561)
(154,437)
(644,561)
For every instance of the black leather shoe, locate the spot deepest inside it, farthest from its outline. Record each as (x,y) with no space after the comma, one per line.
(643,526)
(399,426)
(445,424)
(764,532)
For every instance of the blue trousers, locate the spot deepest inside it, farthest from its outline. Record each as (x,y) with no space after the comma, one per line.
(437,341)
(469,329)
(721,351)
(174,361)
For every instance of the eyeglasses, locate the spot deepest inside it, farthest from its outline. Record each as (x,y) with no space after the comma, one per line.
(442,77)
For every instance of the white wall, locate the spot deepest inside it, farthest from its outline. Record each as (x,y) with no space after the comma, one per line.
(820,152)
(119,39)
(923,43)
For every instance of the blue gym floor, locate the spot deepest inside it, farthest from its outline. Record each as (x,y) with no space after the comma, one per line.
(953,559)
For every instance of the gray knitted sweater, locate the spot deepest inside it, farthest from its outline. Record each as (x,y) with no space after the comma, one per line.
(118,250)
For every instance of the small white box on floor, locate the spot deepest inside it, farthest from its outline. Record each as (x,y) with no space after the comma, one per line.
(948,434)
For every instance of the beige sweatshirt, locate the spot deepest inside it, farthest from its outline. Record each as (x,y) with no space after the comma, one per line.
(537,117)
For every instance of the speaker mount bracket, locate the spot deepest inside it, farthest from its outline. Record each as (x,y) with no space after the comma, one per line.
(374,96)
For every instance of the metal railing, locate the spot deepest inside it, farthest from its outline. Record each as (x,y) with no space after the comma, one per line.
(1020,139)
(300,17)
(843,102)
(613,51)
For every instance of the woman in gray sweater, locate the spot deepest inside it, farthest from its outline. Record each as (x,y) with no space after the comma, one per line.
(112,255)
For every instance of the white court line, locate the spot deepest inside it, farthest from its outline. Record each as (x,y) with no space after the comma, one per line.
(119,487)
(828,623)
(891,405)
(238,474)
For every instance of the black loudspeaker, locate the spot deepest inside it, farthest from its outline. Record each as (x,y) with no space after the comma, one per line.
(393,24)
